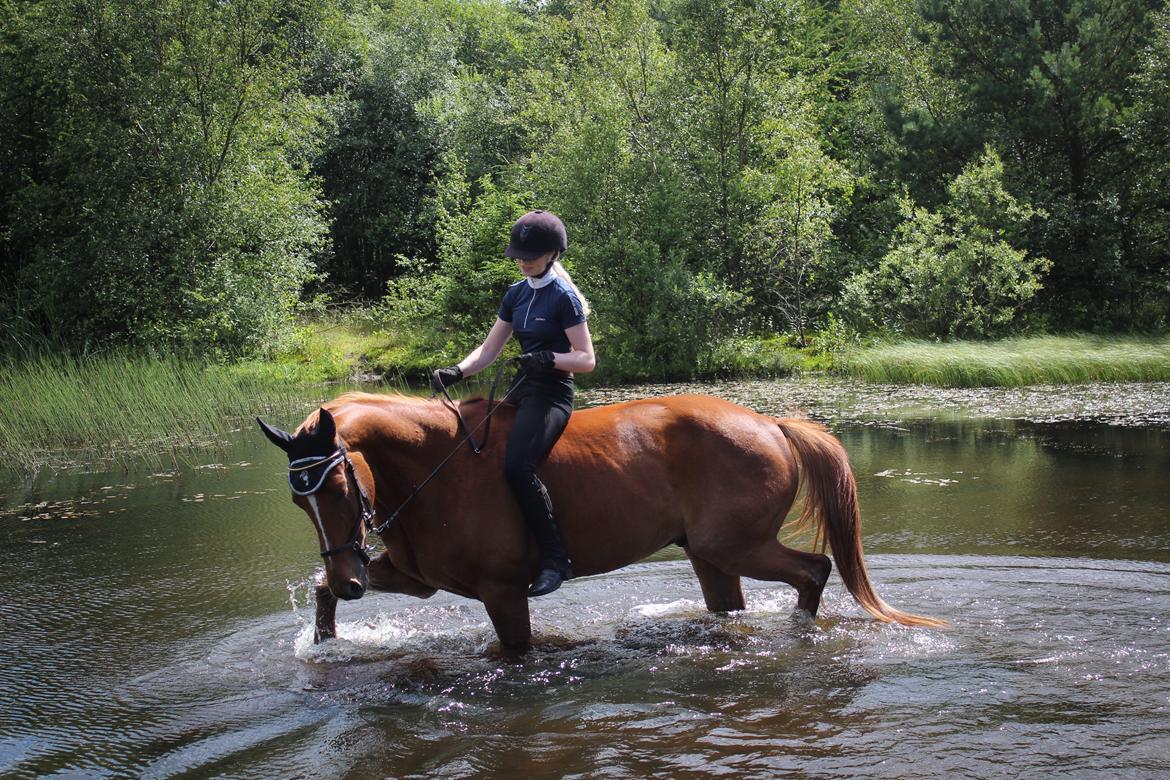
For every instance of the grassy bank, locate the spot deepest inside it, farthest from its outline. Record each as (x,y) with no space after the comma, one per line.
(107,408)
(1013,362)
(412,358)
(61,409)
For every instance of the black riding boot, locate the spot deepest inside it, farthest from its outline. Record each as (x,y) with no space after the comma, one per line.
(555,566)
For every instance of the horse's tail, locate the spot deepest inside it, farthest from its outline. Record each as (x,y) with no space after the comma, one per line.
(831,508)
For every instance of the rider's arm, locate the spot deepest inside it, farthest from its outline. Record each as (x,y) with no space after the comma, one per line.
(482,356)
(581,359)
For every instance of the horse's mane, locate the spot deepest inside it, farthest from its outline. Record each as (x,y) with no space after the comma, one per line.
(379,401)
(375,399)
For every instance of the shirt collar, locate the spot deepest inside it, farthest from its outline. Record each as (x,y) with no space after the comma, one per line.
(543,281)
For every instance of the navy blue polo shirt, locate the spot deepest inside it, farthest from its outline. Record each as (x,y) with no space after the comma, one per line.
(540,317)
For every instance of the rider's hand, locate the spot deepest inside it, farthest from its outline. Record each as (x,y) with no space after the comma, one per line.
(445,377)
(532,362)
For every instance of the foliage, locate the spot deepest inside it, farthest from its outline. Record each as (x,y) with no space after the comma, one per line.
(179,178)
(753,357)
(804,188)
(1148,202)
(456,299)
(953,273)
(377,166)
(158,196)
(1049,82)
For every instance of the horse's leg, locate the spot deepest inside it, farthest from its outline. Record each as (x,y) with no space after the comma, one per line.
(326,621)
(385,577)
(507,606)
(382,577)
(770,560)
(722,592)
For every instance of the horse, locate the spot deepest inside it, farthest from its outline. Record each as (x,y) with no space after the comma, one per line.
(626,480)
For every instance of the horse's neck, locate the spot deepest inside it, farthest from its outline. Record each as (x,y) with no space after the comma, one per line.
(414,434)
(405,453)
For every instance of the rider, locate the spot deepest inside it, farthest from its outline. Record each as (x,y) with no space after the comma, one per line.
(548,314)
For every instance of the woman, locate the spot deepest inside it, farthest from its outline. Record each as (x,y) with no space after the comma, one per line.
(548,314)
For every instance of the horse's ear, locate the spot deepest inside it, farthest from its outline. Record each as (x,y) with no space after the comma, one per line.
(275,435)
(326,426)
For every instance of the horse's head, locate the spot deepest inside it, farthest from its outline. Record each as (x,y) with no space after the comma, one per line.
(325,484)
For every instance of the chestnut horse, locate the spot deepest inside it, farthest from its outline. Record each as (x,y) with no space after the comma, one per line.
(626,480)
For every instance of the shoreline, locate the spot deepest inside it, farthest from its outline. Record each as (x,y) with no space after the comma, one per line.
(62,409)
(110,414)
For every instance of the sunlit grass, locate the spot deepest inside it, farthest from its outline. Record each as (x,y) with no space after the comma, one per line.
(62,409)
(59,409)
(1014,362)
(107,408)
(331,348)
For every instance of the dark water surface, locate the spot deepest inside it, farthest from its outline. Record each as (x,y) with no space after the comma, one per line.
(156,622)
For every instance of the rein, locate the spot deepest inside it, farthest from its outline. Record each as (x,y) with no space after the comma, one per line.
(302,482)
(477,449)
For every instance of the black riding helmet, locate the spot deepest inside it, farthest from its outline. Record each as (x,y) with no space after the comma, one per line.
(537,233)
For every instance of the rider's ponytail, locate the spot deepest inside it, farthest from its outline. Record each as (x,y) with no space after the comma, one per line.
(560,271)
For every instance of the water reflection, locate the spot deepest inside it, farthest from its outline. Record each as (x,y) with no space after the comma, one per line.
(1013,488)
(157,623)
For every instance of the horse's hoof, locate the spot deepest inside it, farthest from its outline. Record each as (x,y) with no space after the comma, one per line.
(321,636)
(498,651)
(804,625)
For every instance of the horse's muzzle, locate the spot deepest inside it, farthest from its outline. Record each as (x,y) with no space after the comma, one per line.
(350,589)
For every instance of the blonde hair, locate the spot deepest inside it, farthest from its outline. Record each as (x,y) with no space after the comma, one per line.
(560,271)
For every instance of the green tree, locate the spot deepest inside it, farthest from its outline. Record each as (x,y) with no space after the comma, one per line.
(803,189)
(161,196)
(609,167)
(726,66)
(1148,202)
(953,273)
(378,167)
(887,105)
(1048,82)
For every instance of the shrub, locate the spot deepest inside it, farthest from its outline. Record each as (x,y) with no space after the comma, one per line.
(953,273)
(455,298)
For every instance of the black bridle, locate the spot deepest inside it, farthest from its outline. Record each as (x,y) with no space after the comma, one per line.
(301,479)
(300,471)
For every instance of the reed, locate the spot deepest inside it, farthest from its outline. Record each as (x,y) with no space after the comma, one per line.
(60,408)
(1014,362)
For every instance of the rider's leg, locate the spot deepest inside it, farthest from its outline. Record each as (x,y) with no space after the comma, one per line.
(538,424)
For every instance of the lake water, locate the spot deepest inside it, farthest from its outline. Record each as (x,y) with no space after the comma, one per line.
(156,621)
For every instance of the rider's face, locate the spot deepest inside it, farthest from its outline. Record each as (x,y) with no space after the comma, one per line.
(536,266)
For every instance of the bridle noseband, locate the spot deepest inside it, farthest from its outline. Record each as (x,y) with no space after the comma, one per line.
(300,479)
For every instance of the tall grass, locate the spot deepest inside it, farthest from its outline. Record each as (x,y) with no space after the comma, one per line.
(1014,362)
(59,408)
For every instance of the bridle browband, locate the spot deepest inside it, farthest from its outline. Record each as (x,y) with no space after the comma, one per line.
(299,472)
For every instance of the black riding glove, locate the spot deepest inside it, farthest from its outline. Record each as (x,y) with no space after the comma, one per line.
(533,362)
(445,377)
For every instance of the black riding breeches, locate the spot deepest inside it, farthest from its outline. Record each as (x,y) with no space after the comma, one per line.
(543,410)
